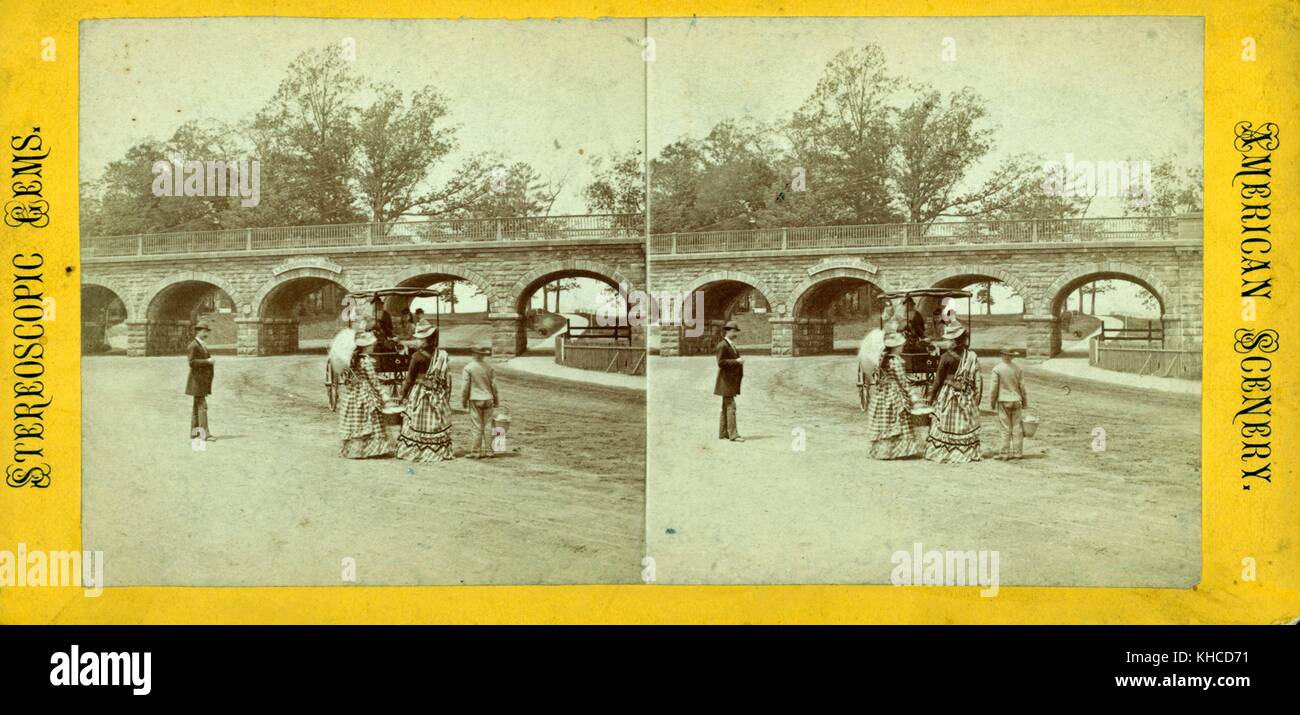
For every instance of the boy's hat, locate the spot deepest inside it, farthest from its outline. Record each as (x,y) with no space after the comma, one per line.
(1008,351)
(731,325)
(893,340)
(480,351)
(423,330)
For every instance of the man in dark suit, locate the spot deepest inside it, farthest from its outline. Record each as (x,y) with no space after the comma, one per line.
(731,369)
(383,321)
(200,382)
(915,321)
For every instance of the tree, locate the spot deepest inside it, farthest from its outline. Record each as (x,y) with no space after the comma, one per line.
(1174,189)
(618,184)
(561,285)
(861,149)
(398,143)
(485,186)
(674,178)
(843,137)
(1149,300)
(727,180)
(938,140)
(305,136)
(984,295)
(1091,290)
(122,201)
(1022,187)
(91,208)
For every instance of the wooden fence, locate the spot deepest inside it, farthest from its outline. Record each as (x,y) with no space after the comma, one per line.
(605,357)
(1161,362)
(587,333)
(1151,334)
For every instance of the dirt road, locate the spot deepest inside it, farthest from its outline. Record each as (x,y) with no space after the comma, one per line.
(271,503)
(764,512)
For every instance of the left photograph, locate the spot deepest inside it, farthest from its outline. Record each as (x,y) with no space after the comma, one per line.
(354,301)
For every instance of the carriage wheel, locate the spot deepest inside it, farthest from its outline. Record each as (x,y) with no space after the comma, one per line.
(331,386)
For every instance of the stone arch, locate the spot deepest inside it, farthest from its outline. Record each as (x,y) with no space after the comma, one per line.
(259,300)
(509,335)
(811,284)
(815,335)
(527,284)
(146,308)
(117,290)
(758,284)
(1065,284)
(459,272)
(1011,280)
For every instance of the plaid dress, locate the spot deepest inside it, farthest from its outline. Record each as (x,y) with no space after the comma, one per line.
(955,428)
(426,430)
(360,419)
(889,422)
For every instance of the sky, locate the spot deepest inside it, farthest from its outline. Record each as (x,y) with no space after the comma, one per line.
(554,92)
(1068,90)
(548,92)
(1095,89)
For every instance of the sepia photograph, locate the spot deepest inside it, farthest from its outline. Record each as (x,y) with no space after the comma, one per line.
(351,299)
(947,280)
(405,317)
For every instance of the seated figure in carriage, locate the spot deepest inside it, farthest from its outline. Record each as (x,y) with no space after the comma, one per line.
(923,342)
(921,348)
(391,356)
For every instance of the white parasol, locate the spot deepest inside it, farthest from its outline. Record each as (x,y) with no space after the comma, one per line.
(341,348)
(869,352)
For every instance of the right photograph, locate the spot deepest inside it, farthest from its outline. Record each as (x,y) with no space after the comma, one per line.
(937,298)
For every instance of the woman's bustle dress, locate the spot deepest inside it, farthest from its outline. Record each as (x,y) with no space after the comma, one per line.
(426,430)
(889,423)
(955,427)
(361,422)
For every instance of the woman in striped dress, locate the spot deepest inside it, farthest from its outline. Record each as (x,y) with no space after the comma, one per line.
(889,409)
(426,430)
(955,427)
(361,422)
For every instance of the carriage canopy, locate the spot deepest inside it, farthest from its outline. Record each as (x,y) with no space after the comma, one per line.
(402,291)
(927,293)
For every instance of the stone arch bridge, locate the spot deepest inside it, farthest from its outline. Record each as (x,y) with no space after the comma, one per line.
(800,270)
(266,271)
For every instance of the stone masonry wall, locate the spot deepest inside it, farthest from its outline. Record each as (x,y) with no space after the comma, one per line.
(506,272)
(1042,276)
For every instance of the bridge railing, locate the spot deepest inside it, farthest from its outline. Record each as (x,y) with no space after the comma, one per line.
(916,234)
(392,233)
